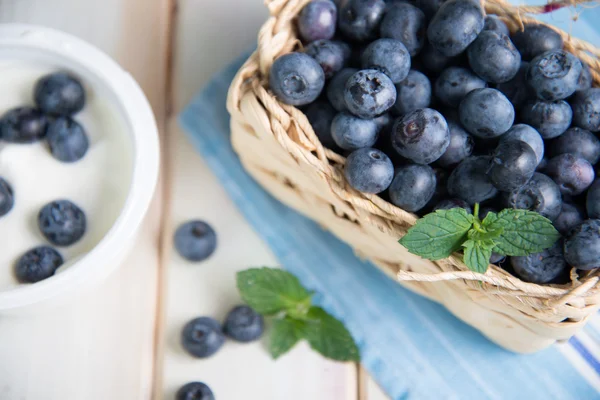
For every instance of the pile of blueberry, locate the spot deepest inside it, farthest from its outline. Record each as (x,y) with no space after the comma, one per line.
(438,106)
(58,97)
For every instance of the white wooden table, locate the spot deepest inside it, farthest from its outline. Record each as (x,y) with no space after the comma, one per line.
(120,340)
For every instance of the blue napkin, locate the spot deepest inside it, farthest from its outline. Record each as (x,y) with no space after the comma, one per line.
(413,347)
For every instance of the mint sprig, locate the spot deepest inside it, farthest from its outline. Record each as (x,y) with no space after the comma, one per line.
(277,293)
(509,232)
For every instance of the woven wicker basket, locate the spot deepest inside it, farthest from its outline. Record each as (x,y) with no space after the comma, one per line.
(279,148)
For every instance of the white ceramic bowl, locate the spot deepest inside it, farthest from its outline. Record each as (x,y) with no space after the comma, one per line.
(33,43)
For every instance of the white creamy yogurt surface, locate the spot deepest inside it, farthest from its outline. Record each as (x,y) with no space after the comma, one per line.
(98,183)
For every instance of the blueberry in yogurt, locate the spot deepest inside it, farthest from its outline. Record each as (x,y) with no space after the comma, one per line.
(62,222)
(38,264)
(23,125)
(7,198)
(59,94)
(67,140)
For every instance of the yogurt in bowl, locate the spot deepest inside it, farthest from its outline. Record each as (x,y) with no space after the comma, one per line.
(112,184)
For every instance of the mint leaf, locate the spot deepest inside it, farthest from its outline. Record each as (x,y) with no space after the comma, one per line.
(439,234)
(523,232)
(329,336)
(484,234)
(477,254)
(269,291)
(285,333)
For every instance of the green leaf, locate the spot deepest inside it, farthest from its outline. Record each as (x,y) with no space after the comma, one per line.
(329,336)
(524,232)
(439,234)
(485,234)
(286,332)
(477,254)
(269,291)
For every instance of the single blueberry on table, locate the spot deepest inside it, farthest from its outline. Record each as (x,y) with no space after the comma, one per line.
(550,118)
(337,87)
(23,125)
(461,146)
(332,55)
(486,113)
(540,194)
(320,114)
(369,170)
(195,390)
(541,267)
(413,187)
(38,264)
(572,174)
(296,79)
(351,133)
(582,245)
(62,222)
(369,93)
(421,136)
(59,94)
(455,26)
(469,181)
(317,21)
(7,197)
(570,216)
(406,23)
(586,109)
(412,93)
(495,24)
(536,39)
(67,140)
(432,60)
(593,200)
(512,165)
(454,83)
(516,89)
(449,204)
(529,135)
(493,57)
(195,240)
(554,75)
(389,56)
(359,19)
(579,142)
(202,337)
(243,324)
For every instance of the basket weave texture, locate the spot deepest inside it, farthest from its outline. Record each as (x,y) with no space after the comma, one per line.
(279,148)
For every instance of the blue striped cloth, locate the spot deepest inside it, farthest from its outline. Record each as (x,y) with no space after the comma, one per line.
(413,347)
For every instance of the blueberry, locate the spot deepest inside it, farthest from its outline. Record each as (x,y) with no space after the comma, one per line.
(579,142)
(536,39)
(389,56)
(413,187)
(540,194)
(406,23)
(449,204)
(529,135)
(593,200)
(320,114)
(296,79)
(67,140)
(244,324)
(493,57)
(461,146)
(516,89)
(332,55)
(337,86)
(454,83)
(202,337)
(369,170)
(317,20)
(421,136)
(541,267)
(550,118)
(455,26)
(195,240)
(486,113)
(570,216)
(7,198)
(62,222)
(195,390)
(38,264)
(432,60)
(582,245)
(429,7)
(553,75)
(412,93)
(586,110)
(512,165)
(585,78)
(572,174)
(469,182)
(495,24)
(441,188)
(351,133)
(23,125)
(369,93)
(59,94)
(360,19)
